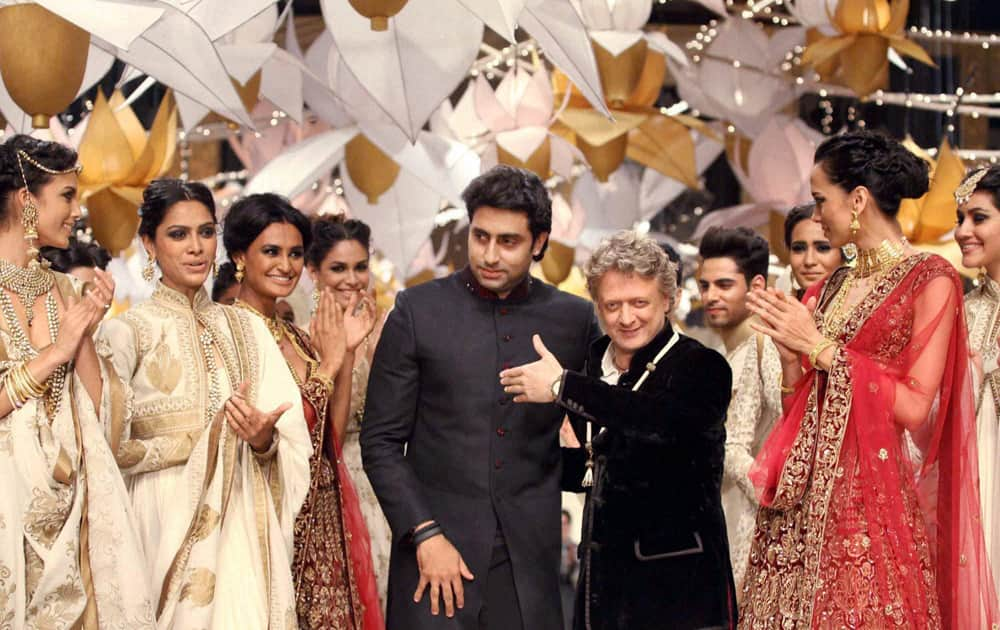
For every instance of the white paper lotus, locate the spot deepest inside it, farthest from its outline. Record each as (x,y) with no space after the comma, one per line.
(178,51)
(410,68)
(516,117)
(616,15)
(776,176)
(749,92)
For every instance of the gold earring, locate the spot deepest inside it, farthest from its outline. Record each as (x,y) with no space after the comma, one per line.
(240,268)
(148,269)
(855,225)
(29,221)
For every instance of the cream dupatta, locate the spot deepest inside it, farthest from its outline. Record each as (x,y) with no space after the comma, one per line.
(69,552)
(218,536)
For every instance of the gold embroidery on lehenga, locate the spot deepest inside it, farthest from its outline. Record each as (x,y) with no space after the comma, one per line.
(784,573)
(163,369)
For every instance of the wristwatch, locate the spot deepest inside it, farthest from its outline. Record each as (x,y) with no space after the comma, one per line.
(557,387)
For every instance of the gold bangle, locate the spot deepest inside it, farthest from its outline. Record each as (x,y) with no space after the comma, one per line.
(785,391)
(326,382)
(31,383)
(12,393)
(818,349)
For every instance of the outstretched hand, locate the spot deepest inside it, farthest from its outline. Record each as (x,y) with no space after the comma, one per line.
(532,382)
(256,427)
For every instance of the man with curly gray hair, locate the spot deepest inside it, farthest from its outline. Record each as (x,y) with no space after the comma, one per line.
(650,405)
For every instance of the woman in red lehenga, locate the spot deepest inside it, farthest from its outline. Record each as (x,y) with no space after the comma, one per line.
(267,238)
(869,511)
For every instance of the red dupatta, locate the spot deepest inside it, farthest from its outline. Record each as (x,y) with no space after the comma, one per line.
(865,522)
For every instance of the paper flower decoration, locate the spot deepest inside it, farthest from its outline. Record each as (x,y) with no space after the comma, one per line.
(515,119)
(774,171)
(858,55)
(119,159)
(632,80)
(737,78)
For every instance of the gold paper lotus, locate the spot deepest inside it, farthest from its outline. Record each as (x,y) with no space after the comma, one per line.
(371,170)
(632,81)
(42,60)
(929,219)
(119,159)
(558,262)
(538,162)
(858,56)
(378,11)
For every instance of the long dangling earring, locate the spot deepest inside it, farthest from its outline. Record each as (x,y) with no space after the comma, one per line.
(315,299)
(855,225)
(29,221)
(148,269)
(240,269)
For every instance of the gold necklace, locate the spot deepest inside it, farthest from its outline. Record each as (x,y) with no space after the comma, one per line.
(57,380)
(27,283)
(275,325)
(837,313)
(879,259)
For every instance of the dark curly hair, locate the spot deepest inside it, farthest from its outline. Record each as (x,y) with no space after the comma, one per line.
(78,254)
(49,154)
(745,247)
(252,215)
(797,215)
(873,160)
(162,194)
(989,183)
(224,280)
(330,229)
(512,188)
(675,258)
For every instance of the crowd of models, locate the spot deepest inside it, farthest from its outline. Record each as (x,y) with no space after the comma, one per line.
(200,461)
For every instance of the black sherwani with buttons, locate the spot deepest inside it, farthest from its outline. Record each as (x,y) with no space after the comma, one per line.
(441,440)
(654,552)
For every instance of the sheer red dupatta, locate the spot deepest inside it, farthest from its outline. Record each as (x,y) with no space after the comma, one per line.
(358,543)
(902,384)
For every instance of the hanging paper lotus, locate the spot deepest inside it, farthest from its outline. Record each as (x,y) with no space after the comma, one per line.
(516,120)
(737,78)
(858,55)
(773,170)
(119,159)
(632,80)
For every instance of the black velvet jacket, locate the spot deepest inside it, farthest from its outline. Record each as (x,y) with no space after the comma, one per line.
(654,551)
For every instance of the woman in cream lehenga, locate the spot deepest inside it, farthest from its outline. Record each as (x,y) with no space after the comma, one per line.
(216,455)
(978,234)
(338,260)
(69,551)
(334,583)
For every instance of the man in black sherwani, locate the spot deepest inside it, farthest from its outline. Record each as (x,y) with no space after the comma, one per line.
(470,482)
(654,550)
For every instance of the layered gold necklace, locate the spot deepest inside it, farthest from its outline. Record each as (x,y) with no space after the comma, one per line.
(27,283)
(274,324)
(870,264)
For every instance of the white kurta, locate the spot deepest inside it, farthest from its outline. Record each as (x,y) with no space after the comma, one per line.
(753,410)
(67,538)
(982,312)
(216,520)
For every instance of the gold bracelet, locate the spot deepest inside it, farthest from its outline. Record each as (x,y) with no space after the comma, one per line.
(326,382)
(818,350)
(785,391)
(7,382)
(31,383)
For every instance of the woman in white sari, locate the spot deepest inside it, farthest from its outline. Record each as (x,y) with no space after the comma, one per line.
(69,551)
(216,455)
